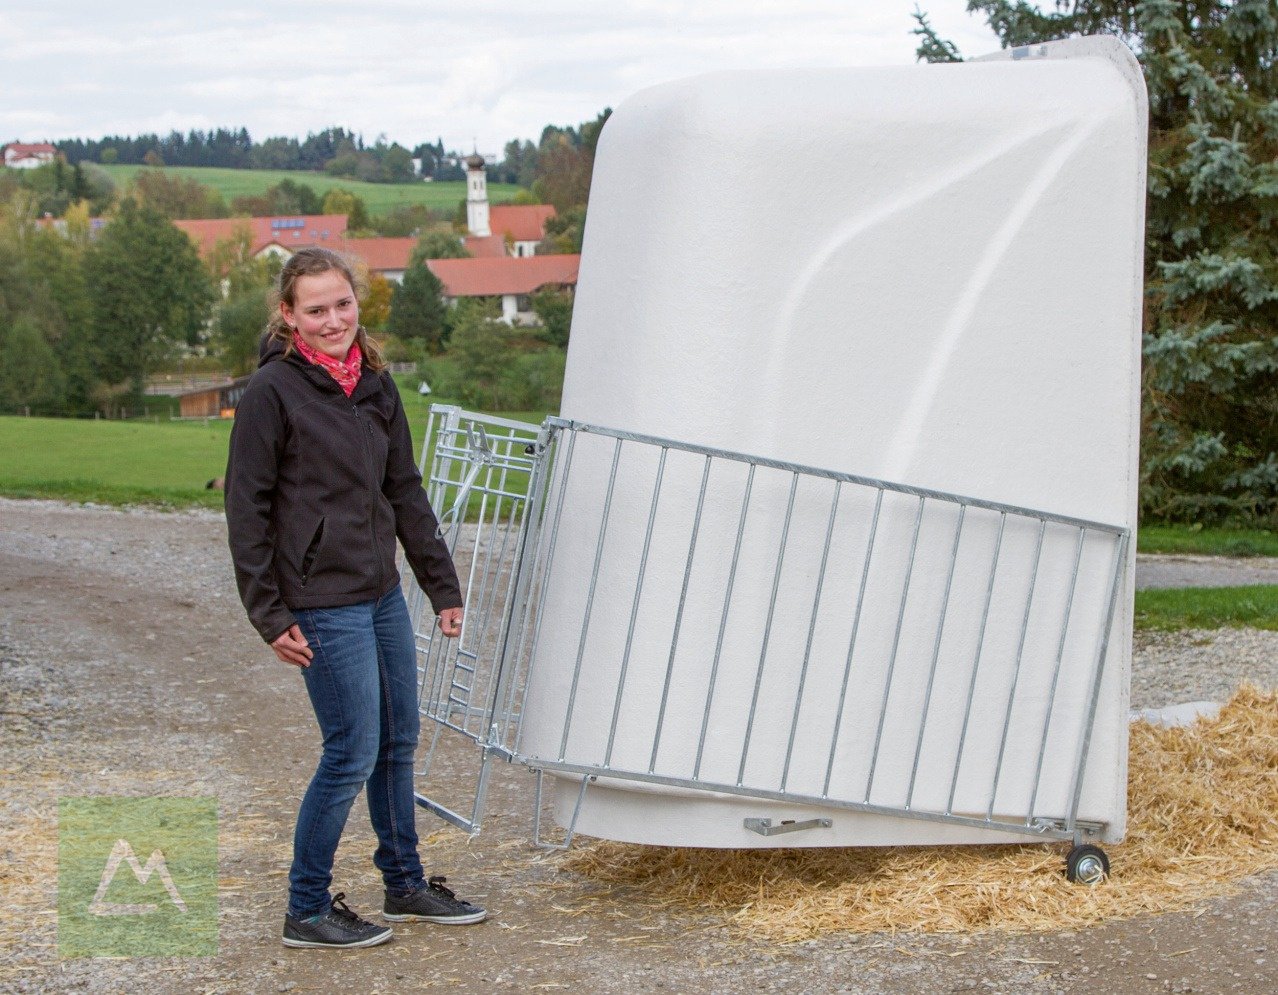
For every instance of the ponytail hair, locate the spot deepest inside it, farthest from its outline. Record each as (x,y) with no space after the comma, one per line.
(314,261)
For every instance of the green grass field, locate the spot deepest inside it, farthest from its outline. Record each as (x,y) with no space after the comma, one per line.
(1255,606)
(158,463)
(112,462)
(1206,542)
(378,197)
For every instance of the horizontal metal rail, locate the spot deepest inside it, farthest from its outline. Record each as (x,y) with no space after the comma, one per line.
(849,478)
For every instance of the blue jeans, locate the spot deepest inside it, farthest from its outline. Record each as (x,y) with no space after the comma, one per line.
(362,683)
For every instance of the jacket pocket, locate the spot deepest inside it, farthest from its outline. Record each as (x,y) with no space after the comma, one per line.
(312,550)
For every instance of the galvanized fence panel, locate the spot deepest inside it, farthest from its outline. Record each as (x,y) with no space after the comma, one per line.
(479,472)
(727,623)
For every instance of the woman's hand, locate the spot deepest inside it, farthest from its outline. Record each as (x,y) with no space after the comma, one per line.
(450,620)
(291,647)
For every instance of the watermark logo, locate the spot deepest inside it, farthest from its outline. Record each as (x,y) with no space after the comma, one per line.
(110,903)
(123,852)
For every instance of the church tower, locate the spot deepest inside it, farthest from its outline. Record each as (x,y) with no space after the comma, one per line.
(476,195)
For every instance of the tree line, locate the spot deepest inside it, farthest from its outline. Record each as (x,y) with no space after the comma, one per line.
(336,151)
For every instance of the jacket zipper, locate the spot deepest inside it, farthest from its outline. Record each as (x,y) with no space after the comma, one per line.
(372,492)
(312,552)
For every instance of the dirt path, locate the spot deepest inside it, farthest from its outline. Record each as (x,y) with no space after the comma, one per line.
(127,667)
(1204,571)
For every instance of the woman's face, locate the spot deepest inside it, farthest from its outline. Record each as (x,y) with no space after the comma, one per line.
(324,312)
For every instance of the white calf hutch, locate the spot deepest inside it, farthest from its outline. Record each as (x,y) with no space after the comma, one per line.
(831,545)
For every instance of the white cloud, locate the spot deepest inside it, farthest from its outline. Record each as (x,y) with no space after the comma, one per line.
(484,70)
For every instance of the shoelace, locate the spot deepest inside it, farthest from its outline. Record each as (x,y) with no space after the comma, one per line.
(344,911)
(437,884)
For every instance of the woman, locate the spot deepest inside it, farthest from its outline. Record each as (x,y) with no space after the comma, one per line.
(320,481)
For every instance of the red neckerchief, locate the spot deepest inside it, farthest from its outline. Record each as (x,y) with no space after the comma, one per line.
(346,373)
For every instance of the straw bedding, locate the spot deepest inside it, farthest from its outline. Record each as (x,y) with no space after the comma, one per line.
(1202,810)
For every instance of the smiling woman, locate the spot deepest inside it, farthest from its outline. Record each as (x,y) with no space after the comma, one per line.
(320,482)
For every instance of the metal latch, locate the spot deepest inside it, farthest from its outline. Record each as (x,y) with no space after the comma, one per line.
(764,827)
(479,454)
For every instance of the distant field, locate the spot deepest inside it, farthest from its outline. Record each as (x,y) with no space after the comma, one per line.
(379,197)
(112,462)
(139,462)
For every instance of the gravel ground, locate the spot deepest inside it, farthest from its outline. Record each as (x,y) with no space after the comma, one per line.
(1204,571)
(127,668)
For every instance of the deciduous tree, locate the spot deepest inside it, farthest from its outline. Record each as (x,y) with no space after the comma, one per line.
(150,292)
(177,197)
(339,201)
(30,377)
(439,243)
(374,309)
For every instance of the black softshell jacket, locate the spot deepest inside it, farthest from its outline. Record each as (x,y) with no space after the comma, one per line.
(318,487)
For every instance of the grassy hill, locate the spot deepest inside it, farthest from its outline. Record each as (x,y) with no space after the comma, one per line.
(379,197)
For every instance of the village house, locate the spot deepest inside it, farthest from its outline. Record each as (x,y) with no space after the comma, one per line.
(19,155)
(501,239)
(513,279)
(277,235)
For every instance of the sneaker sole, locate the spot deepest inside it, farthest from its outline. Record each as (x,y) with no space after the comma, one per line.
(372,941)
(440,920)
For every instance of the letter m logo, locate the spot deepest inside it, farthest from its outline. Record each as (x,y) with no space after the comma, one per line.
(122,853)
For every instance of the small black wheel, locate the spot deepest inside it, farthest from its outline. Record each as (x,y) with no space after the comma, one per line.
(1087,864)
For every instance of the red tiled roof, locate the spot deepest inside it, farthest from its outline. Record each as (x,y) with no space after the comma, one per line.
(524,222)
(508,275)
(485,246)
(286,230)
(22,149)
(381,254)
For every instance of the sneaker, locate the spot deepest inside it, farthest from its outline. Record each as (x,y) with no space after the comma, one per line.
(432,903)
(338,928)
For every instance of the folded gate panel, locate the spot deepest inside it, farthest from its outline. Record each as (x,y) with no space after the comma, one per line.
(710,626)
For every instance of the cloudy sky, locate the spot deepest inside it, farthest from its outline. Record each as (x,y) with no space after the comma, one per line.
(481,71)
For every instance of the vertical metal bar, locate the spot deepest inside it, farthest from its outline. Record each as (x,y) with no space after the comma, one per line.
(590,599)
(634,608)
(488,698)
(1056,673)
(936,655)
(488,583)
(847,665)
(807,649)
(572,825)
(559,503)
(767,628)
(430,752)
(540,484)
(1120,561)
(426,443)
(481,792)
(436,662)
(896,643)
(1016,670)
(723,620)
(683,597)
(508,684)
(976,662)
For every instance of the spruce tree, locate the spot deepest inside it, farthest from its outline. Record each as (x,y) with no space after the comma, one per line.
(1209,447)
(417,306)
